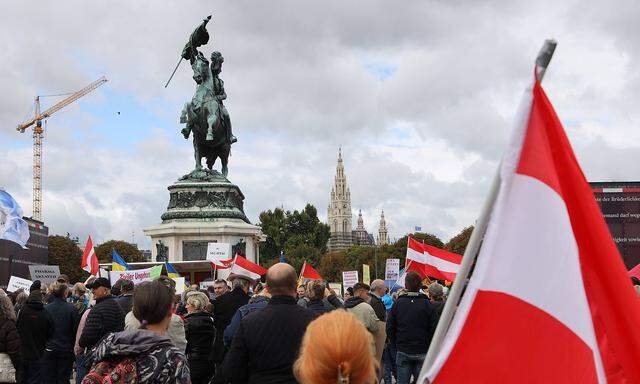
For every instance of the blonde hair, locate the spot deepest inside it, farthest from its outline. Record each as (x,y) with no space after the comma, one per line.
(198,299)
(336,348)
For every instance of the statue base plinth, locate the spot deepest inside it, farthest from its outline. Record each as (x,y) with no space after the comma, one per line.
(204,207)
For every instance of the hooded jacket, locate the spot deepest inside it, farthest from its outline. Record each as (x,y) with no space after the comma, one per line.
(157,360)
(35,326)
(65,319)
(364,312)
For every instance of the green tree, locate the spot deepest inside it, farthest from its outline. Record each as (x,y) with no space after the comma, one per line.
(65,253)
(299,233)
(129,252)
(459,242)
(331,266)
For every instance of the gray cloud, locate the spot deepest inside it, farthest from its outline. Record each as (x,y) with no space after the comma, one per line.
(300,85)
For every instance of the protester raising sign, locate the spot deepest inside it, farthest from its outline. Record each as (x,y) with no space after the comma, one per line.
(136,275)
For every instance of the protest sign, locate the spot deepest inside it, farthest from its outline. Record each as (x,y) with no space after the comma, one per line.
(366,277)
(349,278)
(337,287)
(136,275)
(392,269)
(16,283)
(47,274)
(218,251)
(206,284)
(179,285)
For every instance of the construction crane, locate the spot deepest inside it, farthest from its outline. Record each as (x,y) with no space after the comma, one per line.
(38,131)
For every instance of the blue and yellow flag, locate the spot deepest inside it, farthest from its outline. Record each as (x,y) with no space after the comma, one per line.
(171,271)
(118,263)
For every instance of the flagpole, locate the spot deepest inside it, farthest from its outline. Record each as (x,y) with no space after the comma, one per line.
(471,252)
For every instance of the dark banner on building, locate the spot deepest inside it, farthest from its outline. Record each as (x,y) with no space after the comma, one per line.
(15,261)
(620,206)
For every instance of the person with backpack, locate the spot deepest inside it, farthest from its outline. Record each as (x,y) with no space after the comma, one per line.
(144,355)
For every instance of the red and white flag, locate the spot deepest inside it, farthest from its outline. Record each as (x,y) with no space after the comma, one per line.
(90,259)
(245,268)
(432,261)
(635,272)
(549,300)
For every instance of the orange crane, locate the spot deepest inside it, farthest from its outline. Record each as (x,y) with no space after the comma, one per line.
(38,131)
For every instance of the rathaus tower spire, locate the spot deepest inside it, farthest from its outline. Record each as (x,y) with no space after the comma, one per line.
(339,210)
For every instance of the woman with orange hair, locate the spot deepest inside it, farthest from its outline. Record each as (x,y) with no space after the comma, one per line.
(336,349)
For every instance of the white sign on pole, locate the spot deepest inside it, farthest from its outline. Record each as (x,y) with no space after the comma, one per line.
(47,274)
(218,251)
(16,283)
(392,269)
(349,278)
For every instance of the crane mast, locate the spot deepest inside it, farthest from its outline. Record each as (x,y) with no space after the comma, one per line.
(38,132)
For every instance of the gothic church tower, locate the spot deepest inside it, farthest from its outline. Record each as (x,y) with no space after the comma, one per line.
(339,210)
(383,237)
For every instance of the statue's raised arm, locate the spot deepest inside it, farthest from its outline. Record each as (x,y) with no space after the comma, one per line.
(198,37)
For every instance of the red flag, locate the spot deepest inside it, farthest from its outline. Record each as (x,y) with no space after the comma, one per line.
(89,259)
(432,261)
(308,272)
(245,268)
(549,285)
(635,271)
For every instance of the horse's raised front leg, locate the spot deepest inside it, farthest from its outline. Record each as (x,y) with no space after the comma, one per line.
(196,154)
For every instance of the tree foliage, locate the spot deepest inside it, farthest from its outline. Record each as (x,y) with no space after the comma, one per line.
(459,242)
(300,234)
(129,252)
(65,253)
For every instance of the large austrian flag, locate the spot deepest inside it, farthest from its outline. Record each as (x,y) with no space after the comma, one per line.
(245,268)
(431,261)
(549,300)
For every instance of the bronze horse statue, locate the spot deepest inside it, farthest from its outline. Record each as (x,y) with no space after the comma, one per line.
(206,116)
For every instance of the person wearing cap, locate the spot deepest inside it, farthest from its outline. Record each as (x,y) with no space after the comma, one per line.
(35,326)
(360,307)
(105,317)
(410,327)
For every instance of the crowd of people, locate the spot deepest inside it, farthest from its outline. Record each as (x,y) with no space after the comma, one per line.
(245,332)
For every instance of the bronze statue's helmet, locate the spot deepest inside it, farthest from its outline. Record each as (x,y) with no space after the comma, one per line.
(216,57)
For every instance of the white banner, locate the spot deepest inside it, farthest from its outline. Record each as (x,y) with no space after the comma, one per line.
(349,278)
(16,283)
(136,275)
(47,274)
(179,285)
(392,269)
(218,251)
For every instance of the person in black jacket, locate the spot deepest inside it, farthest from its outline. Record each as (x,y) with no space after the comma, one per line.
(321,300)
(105,317)
(125,300)
(267,341)
(9,337)
(410,326)
(224,307)
(35,326)
(201,334)
(58,356)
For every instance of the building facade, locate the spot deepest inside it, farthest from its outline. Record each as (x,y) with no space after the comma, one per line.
(383,236)
(339,216)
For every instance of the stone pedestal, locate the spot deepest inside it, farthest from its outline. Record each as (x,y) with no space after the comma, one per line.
(204,207)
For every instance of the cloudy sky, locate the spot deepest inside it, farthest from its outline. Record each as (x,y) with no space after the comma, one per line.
(419,94)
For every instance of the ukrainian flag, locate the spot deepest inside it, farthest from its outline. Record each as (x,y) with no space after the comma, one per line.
(171,271)
(118,263)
